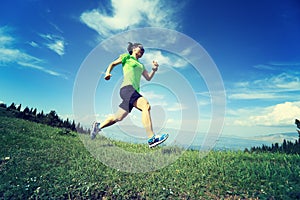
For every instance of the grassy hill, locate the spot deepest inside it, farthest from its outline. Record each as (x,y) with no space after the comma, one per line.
(41,162)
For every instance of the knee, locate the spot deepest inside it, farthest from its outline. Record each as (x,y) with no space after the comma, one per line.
(146,107)
(118,119)
(114,119)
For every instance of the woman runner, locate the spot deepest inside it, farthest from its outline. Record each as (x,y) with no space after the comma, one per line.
(129,92)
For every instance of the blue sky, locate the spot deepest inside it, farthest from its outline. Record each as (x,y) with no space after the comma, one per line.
(254,44)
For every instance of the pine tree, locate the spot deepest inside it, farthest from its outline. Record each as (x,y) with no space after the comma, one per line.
(26,113)
(52,119)
(73,126)
(34,112)
(284,146)
(3,105)
(19,108)
(12,107)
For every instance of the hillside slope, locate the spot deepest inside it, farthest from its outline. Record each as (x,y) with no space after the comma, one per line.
(41,162)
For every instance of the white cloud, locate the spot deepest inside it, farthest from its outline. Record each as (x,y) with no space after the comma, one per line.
(286,81)
(264,67)
(180,63)
(53,73)
(163,60)
(204,101)
(5,39)
(9,54)
(156,99)
(187,51)
(130,14)
(56,27)
(58,47)
(152,95)
(33,44)
(273,87)
(277,65)
(54,43)
(252,95)
(176,107)
(282,114)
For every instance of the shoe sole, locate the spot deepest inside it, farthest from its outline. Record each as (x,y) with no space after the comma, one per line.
(93,136)
(94,133)
(159,142)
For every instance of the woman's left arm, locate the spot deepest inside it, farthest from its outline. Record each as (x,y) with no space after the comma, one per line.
(148,76)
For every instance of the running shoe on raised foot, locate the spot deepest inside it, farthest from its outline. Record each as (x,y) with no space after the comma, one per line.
(156,140)
(95,130)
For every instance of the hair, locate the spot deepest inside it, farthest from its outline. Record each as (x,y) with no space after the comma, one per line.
(131,46)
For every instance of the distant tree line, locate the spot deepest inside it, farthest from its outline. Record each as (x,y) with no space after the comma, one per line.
(289,147)
(50,119)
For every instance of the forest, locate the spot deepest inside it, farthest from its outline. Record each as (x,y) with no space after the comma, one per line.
(288,147)
(51,118)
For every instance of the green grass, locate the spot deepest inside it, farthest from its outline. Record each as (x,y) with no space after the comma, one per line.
(41,162)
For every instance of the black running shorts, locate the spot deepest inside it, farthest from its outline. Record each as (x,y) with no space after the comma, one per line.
(129,95)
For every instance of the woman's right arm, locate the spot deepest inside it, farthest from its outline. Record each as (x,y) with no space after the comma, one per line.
(111,66)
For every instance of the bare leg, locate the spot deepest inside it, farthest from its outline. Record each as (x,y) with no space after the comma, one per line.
(119,116)
(143,105)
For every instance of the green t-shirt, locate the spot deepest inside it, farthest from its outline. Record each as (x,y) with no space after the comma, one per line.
(132,71)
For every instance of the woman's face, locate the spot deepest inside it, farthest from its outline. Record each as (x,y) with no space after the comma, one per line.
(139,51)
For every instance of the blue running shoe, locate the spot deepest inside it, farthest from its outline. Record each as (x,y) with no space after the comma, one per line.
(95,130)
(156,140)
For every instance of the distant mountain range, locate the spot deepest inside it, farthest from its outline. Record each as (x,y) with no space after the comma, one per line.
(221,143)
(277,137)
(240,143)
(231,143)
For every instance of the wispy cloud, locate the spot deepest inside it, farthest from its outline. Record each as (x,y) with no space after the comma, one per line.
(268,88)
(152,95)
(162,100)
(286,81)
(176,107)
(56,27)
(33,44)
(55,43)
(278,66)
(265,67)
(151,55)
(34,66)
(253,95)
(10,54)
(163,59)
(131,14)
(5,40)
